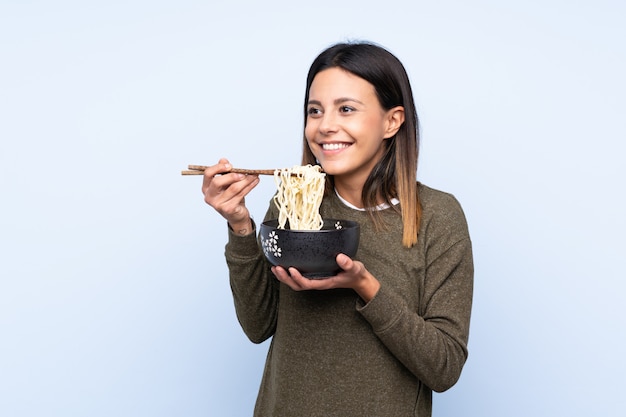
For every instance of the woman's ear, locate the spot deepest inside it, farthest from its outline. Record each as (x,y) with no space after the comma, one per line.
(395,118)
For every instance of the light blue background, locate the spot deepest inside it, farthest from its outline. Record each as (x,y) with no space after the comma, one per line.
(114,298)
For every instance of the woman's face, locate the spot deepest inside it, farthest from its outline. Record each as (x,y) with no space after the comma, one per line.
(346,125)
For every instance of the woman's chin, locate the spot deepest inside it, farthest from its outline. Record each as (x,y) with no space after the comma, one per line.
(331,170)
(333,167)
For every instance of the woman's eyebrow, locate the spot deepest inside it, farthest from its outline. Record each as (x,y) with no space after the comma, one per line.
(345,99)
(337,101)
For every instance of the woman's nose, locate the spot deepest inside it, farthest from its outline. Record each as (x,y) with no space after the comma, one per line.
(328,124)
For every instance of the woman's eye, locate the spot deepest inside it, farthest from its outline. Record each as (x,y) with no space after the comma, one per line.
(312,111)
(346,109)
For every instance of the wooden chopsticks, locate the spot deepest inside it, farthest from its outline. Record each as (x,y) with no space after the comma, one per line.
(199,170)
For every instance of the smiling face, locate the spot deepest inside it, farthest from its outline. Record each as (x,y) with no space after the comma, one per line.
(346,126)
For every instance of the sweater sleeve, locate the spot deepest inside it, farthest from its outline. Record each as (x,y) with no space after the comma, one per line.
(431,342)
(254,288)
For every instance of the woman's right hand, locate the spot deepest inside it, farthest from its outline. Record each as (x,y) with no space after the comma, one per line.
(226,194)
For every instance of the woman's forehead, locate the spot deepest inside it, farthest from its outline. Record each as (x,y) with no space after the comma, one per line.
(336,82)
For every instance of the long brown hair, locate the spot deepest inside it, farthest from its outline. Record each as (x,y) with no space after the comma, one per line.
(395,175)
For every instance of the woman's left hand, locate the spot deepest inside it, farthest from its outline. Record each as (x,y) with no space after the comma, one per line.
(353,275)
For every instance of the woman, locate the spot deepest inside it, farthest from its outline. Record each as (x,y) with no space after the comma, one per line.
(393,325)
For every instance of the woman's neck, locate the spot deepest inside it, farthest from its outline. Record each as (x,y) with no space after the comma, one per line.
(351,195)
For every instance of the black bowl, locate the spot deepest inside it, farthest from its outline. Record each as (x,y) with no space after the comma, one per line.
(312,252)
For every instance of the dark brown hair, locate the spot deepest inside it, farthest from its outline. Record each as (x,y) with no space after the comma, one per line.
(395,174)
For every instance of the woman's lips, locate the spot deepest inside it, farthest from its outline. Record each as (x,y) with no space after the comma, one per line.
(334,146)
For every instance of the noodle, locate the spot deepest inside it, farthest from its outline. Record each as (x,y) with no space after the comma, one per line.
(299,196)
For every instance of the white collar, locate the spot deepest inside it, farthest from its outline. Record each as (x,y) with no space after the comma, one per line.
(382,206)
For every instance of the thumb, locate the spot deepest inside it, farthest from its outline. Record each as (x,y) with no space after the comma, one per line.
(343,261)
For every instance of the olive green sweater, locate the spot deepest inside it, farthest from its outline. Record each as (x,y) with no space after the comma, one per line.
(333,355)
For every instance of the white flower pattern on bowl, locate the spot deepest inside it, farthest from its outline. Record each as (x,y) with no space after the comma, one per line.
(270,245)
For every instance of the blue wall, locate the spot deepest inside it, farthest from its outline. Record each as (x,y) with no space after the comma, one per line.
(113,289)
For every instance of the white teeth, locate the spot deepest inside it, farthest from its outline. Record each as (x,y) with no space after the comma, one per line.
(334,146)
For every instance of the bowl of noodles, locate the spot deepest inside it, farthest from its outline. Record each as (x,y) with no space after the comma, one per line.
(299,237)
(311,252)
